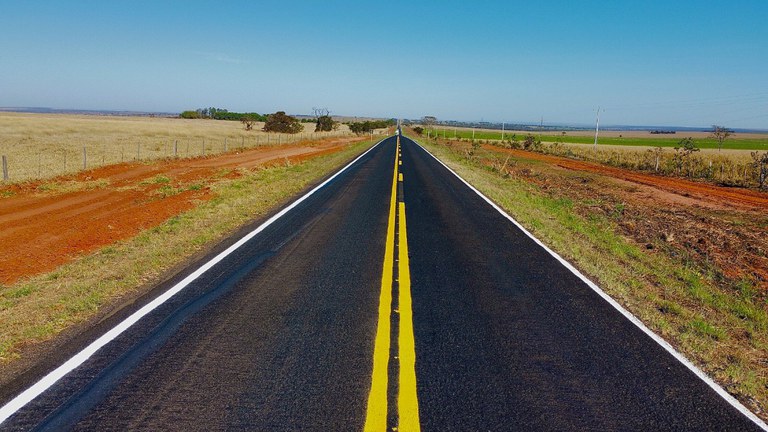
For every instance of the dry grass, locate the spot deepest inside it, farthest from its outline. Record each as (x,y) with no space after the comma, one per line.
(738,156)
(48,145)
(727,167)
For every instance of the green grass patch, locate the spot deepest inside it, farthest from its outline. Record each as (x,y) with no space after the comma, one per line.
(733,143)
(704,328)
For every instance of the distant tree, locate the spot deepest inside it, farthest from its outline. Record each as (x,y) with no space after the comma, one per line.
(720,133)
(367,126)
(686,147)
(249,121)
(283,123)
(325,124)
(656,152)
(220,114)
(428,122)
(323,120)
(359,128)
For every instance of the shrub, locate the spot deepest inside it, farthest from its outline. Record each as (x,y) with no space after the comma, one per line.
(283,123)
(325,123)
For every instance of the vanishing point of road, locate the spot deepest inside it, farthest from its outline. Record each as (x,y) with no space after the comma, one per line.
(393,297)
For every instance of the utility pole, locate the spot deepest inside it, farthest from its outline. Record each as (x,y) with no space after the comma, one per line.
(597,128)
(502,131)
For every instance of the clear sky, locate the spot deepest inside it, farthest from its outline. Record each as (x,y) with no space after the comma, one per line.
(687,63)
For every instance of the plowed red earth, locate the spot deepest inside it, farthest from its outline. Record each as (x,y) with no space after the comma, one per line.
(718,195)
(41,230)
(720,226)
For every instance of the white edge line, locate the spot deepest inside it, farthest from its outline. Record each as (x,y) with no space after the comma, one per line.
(47,381)
(658,339)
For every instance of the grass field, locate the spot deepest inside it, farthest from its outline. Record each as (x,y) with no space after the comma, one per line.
(732,143)
(48,145)
(721,324)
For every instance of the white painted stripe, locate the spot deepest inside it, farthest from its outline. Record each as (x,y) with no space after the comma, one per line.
(47,381)
(658,339)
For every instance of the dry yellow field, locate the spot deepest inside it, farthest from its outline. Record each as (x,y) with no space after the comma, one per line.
(48,145)
(736,156)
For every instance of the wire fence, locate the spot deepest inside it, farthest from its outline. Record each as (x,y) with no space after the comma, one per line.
(26,162)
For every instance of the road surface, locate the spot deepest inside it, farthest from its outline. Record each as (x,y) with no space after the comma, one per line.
(393,296)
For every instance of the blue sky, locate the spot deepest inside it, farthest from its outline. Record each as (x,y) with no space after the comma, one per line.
(687,63)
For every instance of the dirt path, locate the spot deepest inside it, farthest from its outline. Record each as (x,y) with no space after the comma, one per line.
(50,223)
(714,195)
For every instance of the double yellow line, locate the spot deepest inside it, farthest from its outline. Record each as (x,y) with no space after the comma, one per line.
(407,401)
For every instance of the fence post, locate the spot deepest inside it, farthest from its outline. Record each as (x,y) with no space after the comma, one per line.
(203,147)
(226,148)
(5,168)
(138,151)
(85,159)
(175,148)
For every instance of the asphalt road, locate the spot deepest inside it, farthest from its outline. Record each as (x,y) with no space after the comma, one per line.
(285,332)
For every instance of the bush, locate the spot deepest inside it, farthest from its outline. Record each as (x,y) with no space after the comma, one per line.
(283,123)
(531,143)
(325,124)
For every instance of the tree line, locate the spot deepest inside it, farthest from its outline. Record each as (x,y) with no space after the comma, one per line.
(284,123)
(221,114)
(367,126)
(277,122)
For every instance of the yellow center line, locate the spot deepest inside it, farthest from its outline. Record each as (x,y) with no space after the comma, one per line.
(376,415)
(407,400)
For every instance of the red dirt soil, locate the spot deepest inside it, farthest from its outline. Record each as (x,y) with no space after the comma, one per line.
(718,195)
(49,228)
(716,225)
